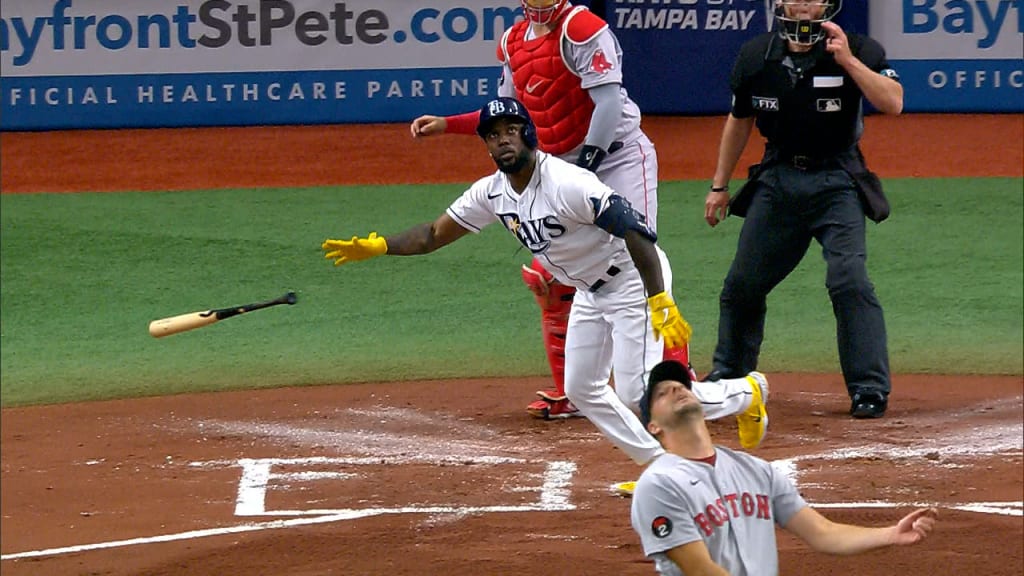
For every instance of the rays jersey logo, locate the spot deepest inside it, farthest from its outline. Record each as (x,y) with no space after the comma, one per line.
(536,235)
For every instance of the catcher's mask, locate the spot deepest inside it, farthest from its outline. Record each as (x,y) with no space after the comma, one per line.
(542,11)
(507,108)
(801,29)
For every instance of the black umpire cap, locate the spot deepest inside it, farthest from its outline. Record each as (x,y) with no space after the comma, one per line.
(663,371)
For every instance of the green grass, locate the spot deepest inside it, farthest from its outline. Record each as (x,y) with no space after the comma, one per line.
(83,274)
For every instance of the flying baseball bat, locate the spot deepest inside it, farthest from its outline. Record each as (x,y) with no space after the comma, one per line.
(174,324)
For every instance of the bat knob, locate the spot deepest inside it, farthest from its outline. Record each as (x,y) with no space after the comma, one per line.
(291,298)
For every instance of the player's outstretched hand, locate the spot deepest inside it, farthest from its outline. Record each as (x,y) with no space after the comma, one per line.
(345,251)
(915,526)
(667,322)
(428,126)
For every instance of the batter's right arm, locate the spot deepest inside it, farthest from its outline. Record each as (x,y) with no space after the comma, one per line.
(734,140)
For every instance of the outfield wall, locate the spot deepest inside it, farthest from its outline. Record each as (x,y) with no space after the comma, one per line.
(146,63)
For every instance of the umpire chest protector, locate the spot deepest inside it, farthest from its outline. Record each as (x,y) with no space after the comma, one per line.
(548,86)
(805,103)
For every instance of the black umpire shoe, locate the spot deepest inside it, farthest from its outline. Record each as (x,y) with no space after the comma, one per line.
(868,405)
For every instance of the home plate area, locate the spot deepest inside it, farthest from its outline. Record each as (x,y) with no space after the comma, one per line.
(366,486)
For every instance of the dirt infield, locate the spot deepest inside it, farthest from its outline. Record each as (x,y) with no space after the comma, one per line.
(193,159)
(445,477)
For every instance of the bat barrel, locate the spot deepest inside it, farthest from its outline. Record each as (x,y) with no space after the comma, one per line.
(174,324)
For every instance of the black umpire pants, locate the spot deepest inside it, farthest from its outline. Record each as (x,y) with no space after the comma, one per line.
(790,207)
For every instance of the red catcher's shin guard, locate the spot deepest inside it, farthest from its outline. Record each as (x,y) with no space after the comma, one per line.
(555,301)
(681,355)
(554,325)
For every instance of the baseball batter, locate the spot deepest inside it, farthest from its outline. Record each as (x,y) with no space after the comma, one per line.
(705,509)
(590,238)
(565,66)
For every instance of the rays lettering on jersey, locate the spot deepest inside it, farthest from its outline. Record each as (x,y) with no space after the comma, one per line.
(534,234)
(744,505)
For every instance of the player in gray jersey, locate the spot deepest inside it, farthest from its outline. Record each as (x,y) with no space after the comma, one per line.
(590,238)
(704,509)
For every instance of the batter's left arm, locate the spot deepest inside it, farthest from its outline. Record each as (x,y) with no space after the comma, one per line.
(641,249)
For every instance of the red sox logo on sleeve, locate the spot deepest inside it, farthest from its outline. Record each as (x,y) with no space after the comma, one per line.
(599,63)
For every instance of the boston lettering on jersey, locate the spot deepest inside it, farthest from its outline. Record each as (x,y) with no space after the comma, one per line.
(534,234)
(733,505)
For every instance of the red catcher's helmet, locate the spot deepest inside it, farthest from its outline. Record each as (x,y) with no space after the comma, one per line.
(542,11)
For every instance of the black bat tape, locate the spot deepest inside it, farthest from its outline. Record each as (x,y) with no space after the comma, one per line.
(223,313)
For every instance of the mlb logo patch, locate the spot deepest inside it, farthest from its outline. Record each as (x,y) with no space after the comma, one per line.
(765,104)
(829,104)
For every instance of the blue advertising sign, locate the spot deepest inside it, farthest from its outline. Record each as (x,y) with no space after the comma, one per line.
(679,54)
(955,55)
(120,63)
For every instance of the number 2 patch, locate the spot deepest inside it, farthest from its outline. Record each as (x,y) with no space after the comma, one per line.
(661,527)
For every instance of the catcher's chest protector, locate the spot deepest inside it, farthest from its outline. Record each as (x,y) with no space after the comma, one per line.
(559,106)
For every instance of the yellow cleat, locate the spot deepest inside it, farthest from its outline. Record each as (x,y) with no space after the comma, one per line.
(624,488)
(753,422)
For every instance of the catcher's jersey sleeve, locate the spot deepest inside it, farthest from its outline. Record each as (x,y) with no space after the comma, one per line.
(597,61)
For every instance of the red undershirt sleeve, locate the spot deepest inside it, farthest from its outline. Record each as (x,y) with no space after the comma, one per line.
(463,123)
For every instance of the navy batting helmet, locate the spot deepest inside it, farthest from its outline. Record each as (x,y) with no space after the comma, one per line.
(507,108)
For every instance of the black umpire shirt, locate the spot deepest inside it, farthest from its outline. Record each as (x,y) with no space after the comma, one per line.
(806,104)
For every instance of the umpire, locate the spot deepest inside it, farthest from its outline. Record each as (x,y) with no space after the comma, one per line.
(804,85)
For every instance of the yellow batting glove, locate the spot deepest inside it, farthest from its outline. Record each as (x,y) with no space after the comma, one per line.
(345,251)
(667,322)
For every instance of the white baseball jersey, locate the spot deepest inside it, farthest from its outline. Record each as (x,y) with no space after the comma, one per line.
(732,505)
(632,170)
(554,218)
(609,324)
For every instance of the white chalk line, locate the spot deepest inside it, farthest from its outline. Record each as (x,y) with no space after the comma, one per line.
(257,478)
(998,508)
(1008,440)
(554,497)
(275,524)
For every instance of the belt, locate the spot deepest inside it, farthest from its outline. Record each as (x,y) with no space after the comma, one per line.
(806,162)
(802,162)
(611,272)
